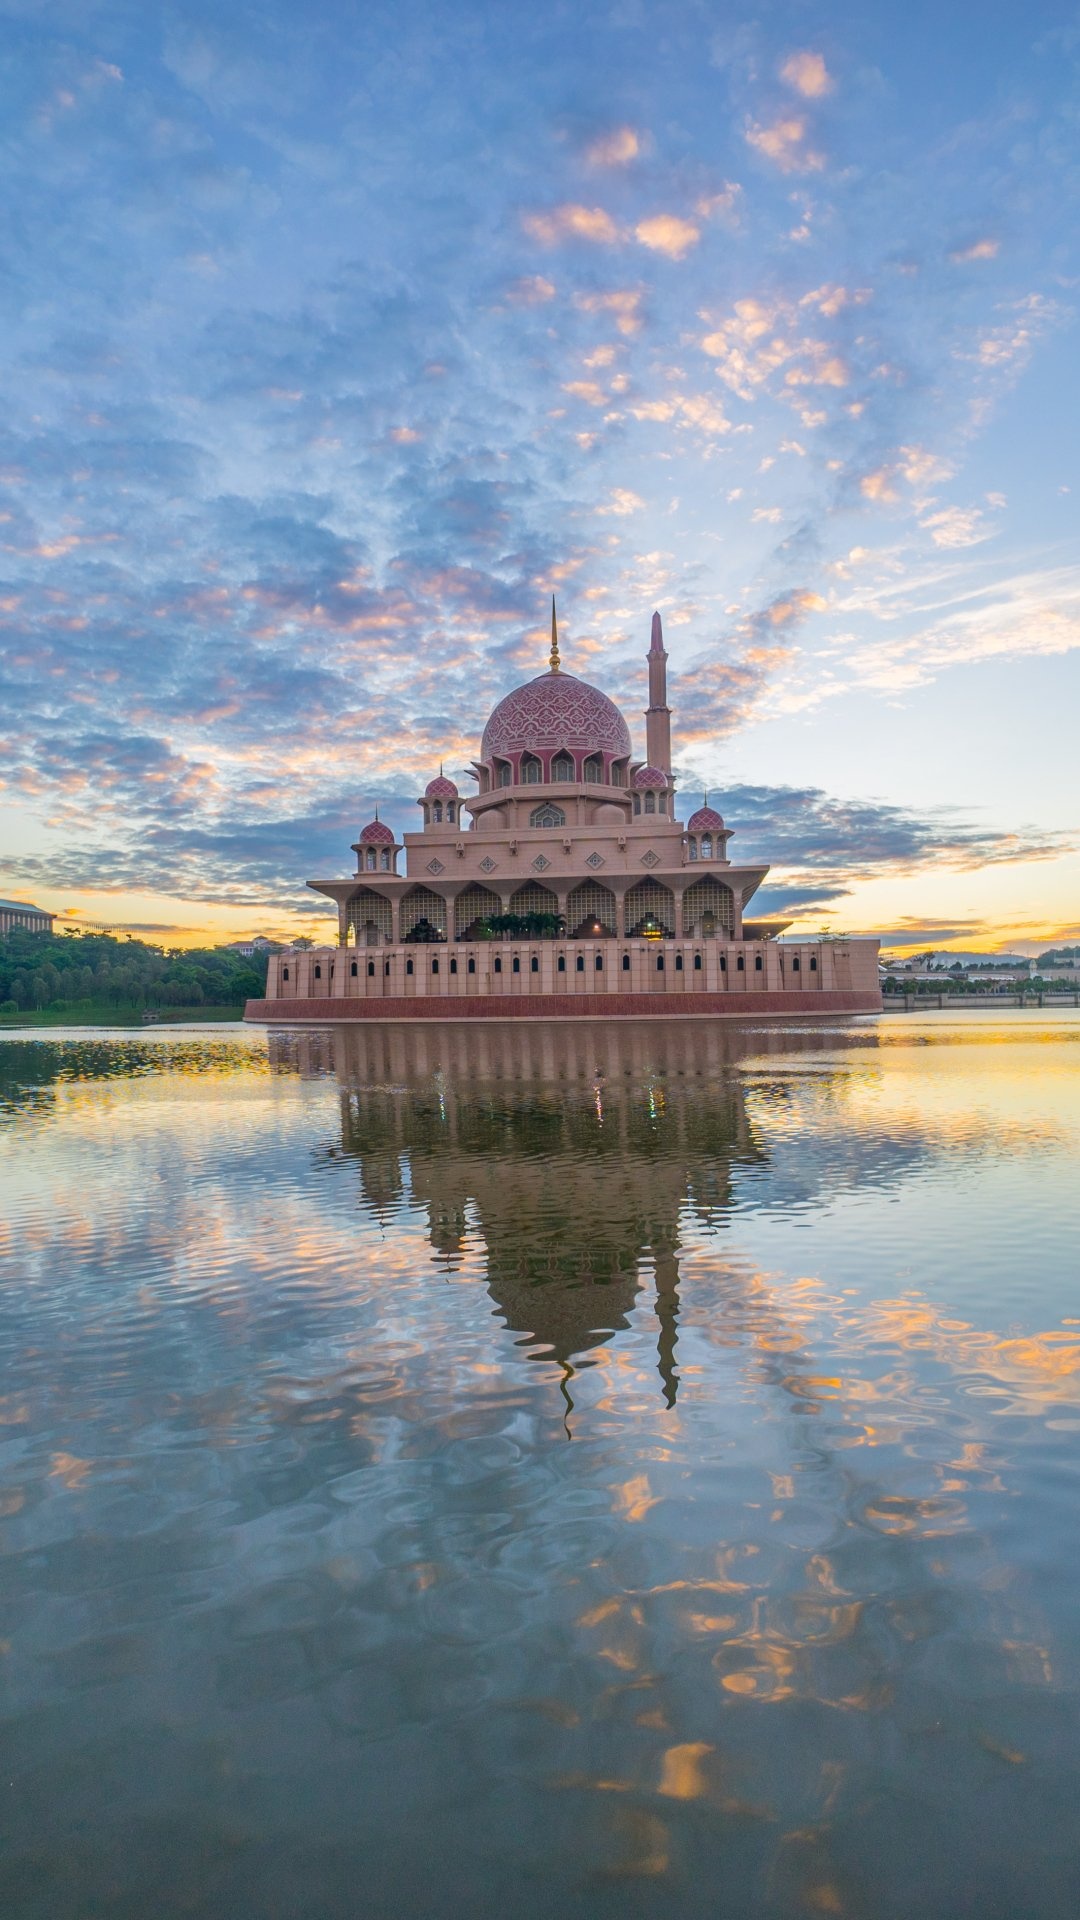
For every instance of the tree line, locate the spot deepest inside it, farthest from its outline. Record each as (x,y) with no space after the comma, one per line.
(46,972)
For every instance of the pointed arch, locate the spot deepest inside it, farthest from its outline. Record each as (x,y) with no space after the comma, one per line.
(421,904)
(708,909)
(476,903)
(590,912)
(650,909)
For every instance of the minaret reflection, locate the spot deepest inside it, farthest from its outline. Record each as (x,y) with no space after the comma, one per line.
(568,1155)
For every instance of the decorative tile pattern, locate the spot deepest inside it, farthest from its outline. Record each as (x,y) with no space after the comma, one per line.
(541,862)
(487,864)
(434,866)
(553,711)
(650,859)
(595,860)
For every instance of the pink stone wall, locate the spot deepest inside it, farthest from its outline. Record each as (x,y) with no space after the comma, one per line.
(560,1006)
(707,975)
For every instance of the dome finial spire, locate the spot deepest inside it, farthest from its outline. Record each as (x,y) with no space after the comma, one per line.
(554,660)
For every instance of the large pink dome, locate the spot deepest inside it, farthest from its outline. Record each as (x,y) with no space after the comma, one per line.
(556,711)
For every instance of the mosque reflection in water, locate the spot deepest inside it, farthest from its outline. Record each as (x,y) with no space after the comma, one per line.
(568,1156)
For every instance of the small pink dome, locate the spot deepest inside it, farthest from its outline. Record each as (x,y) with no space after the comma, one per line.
(376,834)
(440,789)
(651,777)
(554,711)
(705,820)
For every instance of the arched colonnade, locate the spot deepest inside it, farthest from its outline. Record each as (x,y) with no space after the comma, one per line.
(698,908)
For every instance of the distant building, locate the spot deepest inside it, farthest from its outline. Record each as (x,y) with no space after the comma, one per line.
(259,944)
(19,913)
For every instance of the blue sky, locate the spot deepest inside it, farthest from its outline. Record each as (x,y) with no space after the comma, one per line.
(337,338)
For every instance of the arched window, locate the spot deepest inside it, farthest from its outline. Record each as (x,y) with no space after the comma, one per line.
(371,859)
(385,860)
(581,963)
(353,970)
(436,813)
(562,767)
(535,964)
(618,774)
(562,963)
(692,843)
(697,963)
(531,770)
(813,963)
(594,767)
(503,779)
(318,973)
(723,962)
(598,963)
(472,966)
(284,973)
(547,816)
(659,963)
(450,811)
(370,969)
(650,803)
(678,963)
(434,966)
(498,963)
(517,963)
(706,846)
(757,963)
(626,963)
(637,803)
(796,964)
(740,964)
(386,969)
(408,966)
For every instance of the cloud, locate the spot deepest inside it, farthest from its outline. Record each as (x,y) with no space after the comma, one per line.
(666,233)
(614,149)
(807,73)
(878,485)
(723,203)
(956,527)
(571,222)
(785,144)
(760,339)
(805,830)
(532,290)
(622,303)
(976,250)
(621,502)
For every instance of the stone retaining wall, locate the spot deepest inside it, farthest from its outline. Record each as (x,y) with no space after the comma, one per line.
(562,1006)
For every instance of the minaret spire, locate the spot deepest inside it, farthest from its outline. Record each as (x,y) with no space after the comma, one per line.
(554,660)
(658,716)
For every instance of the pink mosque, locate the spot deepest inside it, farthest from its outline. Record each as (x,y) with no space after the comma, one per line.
(566,885)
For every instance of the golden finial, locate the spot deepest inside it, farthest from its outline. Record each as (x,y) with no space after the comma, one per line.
(554,661)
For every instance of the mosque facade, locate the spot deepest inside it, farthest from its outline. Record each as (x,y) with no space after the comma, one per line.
(566,884)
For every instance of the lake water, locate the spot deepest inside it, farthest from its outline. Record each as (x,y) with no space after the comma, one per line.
(529,1471)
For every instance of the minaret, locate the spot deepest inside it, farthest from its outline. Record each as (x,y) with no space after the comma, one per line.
(658,716)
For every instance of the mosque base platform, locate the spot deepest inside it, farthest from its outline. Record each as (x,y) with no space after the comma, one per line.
(569,1006)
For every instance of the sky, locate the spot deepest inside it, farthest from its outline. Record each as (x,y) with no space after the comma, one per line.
(336,338)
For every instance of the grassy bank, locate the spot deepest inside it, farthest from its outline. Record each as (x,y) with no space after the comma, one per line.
(96,1014)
